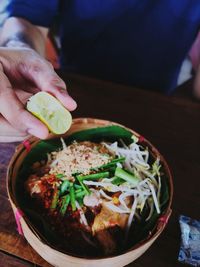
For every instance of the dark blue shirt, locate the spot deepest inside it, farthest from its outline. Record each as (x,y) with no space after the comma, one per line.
(137,42)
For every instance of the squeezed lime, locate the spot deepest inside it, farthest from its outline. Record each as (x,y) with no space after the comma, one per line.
(50,111)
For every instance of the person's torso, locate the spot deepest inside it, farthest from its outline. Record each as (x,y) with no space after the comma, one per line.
(141,43)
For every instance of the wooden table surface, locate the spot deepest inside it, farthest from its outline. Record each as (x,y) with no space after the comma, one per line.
(171,123)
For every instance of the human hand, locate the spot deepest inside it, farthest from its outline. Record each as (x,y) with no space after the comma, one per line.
(24,72)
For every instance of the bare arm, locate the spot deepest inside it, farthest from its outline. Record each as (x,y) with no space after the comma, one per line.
(18,32)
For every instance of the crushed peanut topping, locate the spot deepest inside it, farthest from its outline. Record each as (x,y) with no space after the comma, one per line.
(79,158)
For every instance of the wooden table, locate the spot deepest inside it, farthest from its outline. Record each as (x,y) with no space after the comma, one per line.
(170,123)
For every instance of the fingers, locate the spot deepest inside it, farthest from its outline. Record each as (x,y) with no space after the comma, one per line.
(9,133)
(42,73)
(13,111)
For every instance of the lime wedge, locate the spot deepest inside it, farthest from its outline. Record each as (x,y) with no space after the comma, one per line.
(50,111)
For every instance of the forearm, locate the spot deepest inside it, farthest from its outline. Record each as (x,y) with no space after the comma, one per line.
(17,32)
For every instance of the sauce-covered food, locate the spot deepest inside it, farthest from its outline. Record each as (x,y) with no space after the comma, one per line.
(95,195)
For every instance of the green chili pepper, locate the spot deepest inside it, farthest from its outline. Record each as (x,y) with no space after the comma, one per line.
(119,172)
(65,203)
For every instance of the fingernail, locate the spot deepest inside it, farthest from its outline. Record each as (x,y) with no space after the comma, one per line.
(71,103)
(74,104)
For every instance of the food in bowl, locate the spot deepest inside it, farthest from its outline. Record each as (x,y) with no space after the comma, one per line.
(95,193)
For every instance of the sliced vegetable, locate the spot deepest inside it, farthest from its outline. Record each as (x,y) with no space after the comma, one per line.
(80,194)
(94,176)
(151,209)
(85,188)
(134,138)
(77,186)
(105,195)
(65,203)
(72,197)
(130,219)
(108,186)
(78,190)
(117,181)
(113,162)
(80,201)
(60,175)
(64,187)
(83,219)
(119,172)
(115,208)
(154,197)
(156,167)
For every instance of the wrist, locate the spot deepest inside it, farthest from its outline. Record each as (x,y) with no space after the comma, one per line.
(17,40)
(19,33)
(13,43)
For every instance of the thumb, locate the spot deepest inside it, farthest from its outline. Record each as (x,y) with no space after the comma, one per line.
(41,72)
(13,111)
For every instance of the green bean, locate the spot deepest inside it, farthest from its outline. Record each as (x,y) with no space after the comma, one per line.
(80,201)
(60,175)
(78,190)
(64,186)
(112,169)
(117,181)
(80,194)
(77,186)
(93,176)
(113,162)
(72,197)
(85,188)
(119,172)
(65,203)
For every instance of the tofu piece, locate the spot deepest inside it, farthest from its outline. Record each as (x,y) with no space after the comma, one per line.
(106,221)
